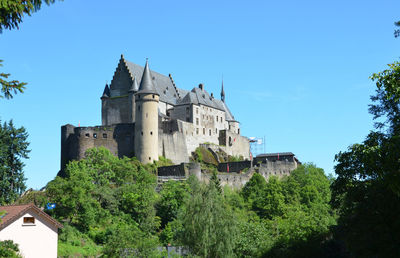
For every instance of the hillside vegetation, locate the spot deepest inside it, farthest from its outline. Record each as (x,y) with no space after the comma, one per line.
(109,206)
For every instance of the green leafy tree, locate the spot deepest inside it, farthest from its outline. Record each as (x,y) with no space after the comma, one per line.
(366,191)
(172,198)
(13,148)
(9,249)
(254,188)
(127,240)
(209,227)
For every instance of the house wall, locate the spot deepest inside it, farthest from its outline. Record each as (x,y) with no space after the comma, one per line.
(34,241)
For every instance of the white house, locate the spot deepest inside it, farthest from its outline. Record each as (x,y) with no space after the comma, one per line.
(35,232)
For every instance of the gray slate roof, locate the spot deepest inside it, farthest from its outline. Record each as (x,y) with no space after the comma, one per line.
(146,83)
(161,83)
(134,87)
(275,154)
(170,94)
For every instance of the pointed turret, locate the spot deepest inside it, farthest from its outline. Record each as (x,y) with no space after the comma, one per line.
(223,92)
(146,84)
(134,86)
(106,92)
(146,119)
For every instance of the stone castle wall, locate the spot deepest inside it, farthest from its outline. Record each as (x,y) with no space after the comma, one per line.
(119,139)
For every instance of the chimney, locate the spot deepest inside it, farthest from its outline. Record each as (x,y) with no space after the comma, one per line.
(201,86)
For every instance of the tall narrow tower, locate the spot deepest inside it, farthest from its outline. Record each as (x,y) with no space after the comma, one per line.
(222,92)
(146,119)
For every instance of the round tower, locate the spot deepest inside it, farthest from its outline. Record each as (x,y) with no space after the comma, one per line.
(146,119)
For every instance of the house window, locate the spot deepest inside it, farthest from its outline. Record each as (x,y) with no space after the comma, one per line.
(29,220)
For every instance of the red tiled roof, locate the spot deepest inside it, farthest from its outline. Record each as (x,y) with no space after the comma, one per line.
(13,212)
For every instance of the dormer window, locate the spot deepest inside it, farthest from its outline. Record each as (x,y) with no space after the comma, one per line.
(29,220)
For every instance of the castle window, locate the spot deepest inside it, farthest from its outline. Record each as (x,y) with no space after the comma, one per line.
(187,109)
(197,130)
(95,135)
(149,158)
(151,133)
(216,130)
(138,108)
(197,110)
(217,118)
(204,131)
(209,132)
(104,135)
(141,132)
(147,115)
(153,96)
(238,130)
(187,119)
(197,121)
(230,141)
(229,127)
(87,135)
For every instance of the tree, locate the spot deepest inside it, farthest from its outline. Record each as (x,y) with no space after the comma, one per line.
(12,11)
(172,197)
(209,228)
(9,249)
(397,32)
(366,191)
(13,148)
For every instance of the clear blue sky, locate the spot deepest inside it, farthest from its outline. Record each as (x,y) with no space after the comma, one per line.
(295,72)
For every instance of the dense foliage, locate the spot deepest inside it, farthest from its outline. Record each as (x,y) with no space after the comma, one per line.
(13,148)
(367,189)
(110,206)
(9,249)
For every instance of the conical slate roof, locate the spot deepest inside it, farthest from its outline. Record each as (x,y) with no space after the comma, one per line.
(146,84)
(106,92)
(134,86)
(223,92)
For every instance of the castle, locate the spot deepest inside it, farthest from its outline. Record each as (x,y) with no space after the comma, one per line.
(144,114)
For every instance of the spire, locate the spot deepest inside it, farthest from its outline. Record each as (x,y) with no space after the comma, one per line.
(106,92)
(222,91)
(134,86)
(146,84)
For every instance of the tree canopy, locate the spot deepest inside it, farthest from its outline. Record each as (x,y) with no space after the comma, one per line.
(13,148)
(366,191)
